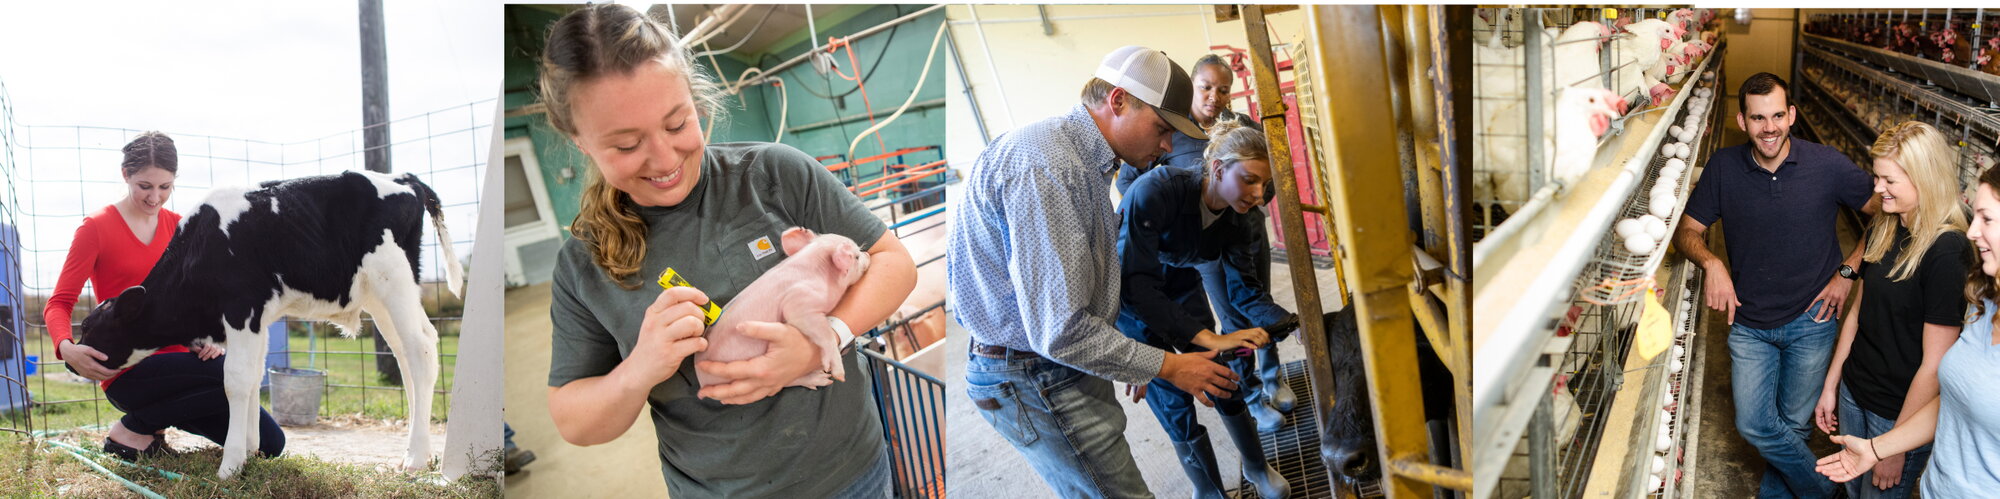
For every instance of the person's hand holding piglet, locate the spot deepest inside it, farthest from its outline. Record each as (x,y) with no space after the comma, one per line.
(790,357)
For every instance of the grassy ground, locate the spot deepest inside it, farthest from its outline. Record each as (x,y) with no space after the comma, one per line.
(28,469)
(379,402)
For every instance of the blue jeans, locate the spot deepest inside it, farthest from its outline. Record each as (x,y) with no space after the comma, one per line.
(1777,375)
(1067,423)
(1175,408)
(1860,422)
(873,483)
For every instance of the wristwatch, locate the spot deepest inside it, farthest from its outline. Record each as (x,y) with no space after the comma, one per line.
(1848,272)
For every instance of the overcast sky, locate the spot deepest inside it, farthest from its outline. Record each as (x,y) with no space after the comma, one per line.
(279,72)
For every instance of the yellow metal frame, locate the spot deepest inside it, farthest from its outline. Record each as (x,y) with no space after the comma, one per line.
(1400,281)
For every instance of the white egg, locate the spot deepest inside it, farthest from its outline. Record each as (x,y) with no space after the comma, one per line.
(1670,175)
(1627,227)
(1686,136)
(1679,350)
(1660,189)
(1675,365)
(1640,244)
(1667,149)
(1676,164)
(1675,131)
(1661,206)
(1654,226)
(1659,465)
(1657,483)
(1663,444)
(1666,397)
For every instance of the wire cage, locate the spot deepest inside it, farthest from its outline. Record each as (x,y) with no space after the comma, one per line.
(1590,377)
(66,172)
(1516,84)
(1617,274)
(1506,82)
(1848,98)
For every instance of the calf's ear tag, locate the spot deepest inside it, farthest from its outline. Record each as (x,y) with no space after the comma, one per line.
(671,279)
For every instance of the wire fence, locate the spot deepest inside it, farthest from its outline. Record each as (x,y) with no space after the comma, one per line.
(56,175)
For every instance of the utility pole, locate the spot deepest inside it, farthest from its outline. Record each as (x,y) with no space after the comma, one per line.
(375,134)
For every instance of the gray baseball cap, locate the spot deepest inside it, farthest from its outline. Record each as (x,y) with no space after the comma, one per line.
(1155,79)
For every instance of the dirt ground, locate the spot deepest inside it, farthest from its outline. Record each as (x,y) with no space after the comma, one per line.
(351,440)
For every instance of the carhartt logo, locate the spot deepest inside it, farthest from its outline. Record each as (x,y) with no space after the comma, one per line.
(761,247)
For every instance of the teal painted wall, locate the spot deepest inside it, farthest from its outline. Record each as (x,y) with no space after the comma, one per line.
(753,115)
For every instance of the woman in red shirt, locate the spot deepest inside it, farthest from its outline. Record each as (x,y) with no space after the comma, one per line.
(178,386)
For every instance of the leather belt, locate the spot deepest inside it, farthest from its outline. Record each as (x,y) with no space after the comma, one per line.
(1000,352)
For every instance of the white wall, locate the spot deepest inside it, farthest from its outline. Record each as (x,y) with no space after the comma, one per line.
(1040,75)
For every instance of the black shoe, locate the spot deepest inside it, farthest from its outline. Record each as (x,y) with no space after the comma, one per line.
(121,450)
(517,458)
(126,452)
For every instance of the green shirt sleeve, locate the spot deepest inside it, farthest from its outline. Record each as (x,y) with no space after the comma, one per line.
(579,346)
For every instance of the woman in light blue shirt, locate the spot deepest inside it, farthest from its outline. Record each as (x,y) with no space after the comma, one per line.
(1964,419)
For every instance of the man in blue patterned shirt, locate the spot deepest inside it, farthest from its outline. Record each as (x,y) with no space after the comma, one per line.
(1034,278)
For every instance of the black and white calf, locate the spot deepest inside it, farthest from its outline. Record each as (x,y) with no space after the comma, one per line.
(318,248)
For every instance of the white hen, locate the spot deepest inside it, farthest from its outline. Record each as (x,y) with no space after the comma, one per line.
(1582,115)
(1638,59)
(1569,58)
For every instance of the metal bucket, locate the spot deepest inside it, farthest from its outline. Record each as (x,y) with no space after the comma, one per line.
(295,395)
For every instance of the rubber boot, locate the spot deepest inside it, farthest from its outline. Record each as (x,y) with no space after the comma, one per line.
(1269,369)
(1198,460)
(1266,412)
(1243,430)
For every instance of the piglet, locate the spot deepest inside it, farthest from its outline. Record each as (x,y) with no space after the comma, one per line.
(799,292)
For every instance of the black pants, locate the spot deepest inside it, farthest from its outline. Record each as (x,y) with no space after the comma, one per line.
(179,390)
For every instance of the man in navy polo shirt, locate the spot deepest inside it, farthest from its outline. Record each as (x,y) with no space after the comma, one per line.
(1786,280)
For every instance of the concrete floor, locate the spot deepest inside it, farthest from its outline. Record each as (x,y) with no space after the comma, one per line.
(626,467)
(982,464)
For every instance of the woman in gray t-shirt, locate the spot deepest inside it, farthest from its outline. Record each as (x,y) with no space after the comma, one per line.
(661,197)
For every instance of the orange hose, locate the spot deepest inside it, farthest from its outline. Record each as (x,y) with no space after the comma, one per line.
(913,178)
(837,43)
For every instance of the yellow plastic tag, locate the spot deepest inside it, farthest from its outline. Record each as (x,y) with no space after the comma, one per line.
(1610,13)
(1663,14)
(1655,333)
(671,279)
